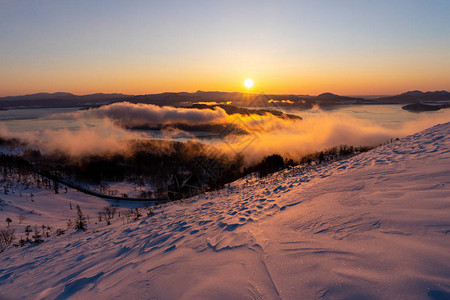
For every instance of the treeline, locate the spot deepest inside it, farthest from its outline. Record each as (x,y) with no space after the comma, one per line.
(276,162)
(334,153)
(175,170)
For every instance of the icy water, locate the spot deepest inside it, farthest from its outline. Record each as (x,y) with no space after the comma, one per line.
(38,119)
(22,120)
(389,116)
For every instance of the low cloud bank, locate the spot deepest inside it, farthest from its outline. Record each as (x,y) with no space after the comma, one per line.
(76,143)
(127,115)
(267,134)
(323,130)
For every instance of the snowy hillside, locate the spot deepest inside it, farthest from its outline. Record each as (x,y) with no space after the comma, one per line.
(370,227)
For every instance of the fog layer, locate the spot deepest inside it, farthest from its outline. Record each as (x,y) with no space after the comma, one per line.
(266,134)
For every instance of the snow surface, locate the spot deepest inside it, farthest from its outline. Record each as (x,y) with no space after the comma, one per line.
(373,226)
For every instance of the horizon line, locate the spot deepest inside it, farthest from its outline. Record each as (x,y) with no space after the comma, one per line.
(235,92)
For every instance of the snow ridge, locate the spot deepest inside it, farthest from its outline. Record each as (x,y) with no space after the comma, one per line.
(373,226)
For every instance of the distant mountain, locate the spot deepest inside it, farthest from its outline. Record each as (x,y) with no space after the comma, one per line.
(59,95)
(39,96)
(412,97)
(185,99)
(328,96)
(58,100)
(330,99)
(247,99)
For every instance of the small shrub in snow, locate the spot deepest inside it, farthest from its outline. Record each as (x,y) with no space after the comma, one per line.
(132,215)
(22,242)
(60,231)
(6,238)
(136,214)
(28,231)
(46,230)
(37,236)
(9,221)
(150,211)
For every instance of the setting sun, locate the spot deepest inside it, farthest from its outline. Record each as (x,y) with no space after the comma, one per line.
(248,83)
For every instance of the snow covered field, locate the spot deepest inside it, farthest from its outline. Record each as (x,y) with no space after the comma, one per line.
(376,226)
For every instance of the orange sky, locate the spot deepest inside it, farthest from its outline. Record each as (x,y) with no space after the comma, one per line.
(368,78)
(303,48)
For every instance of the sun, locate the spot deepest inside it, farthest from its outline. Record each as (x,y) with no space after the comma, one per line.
(248,83)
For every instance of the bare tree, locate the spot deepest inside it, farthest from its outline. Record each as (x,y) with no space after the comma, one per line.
(21,217)
(136,214)
(6,238)
(108,213)
(8,220)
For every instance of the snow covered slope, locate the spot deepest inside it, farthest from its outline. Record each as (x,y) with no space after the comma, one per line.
(373,226)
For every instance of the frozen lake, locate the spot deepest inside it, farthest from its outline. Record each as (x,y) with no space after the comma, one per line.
(389,116)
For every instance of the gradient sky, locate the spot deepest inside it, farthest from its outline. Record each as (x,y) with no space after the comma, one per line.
(302,47)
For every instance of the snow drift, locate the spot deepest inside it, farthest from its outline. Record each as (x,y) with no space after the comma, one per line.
(373,226)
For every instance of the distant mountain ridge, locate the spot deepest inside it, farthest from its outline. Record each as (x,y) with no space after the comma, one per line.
(329,99)
(59,99)
(60,95)
(416,97)
(62,99)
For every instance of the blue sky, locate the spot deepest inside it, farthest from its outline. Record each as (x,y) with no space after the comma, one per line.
(349,47)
